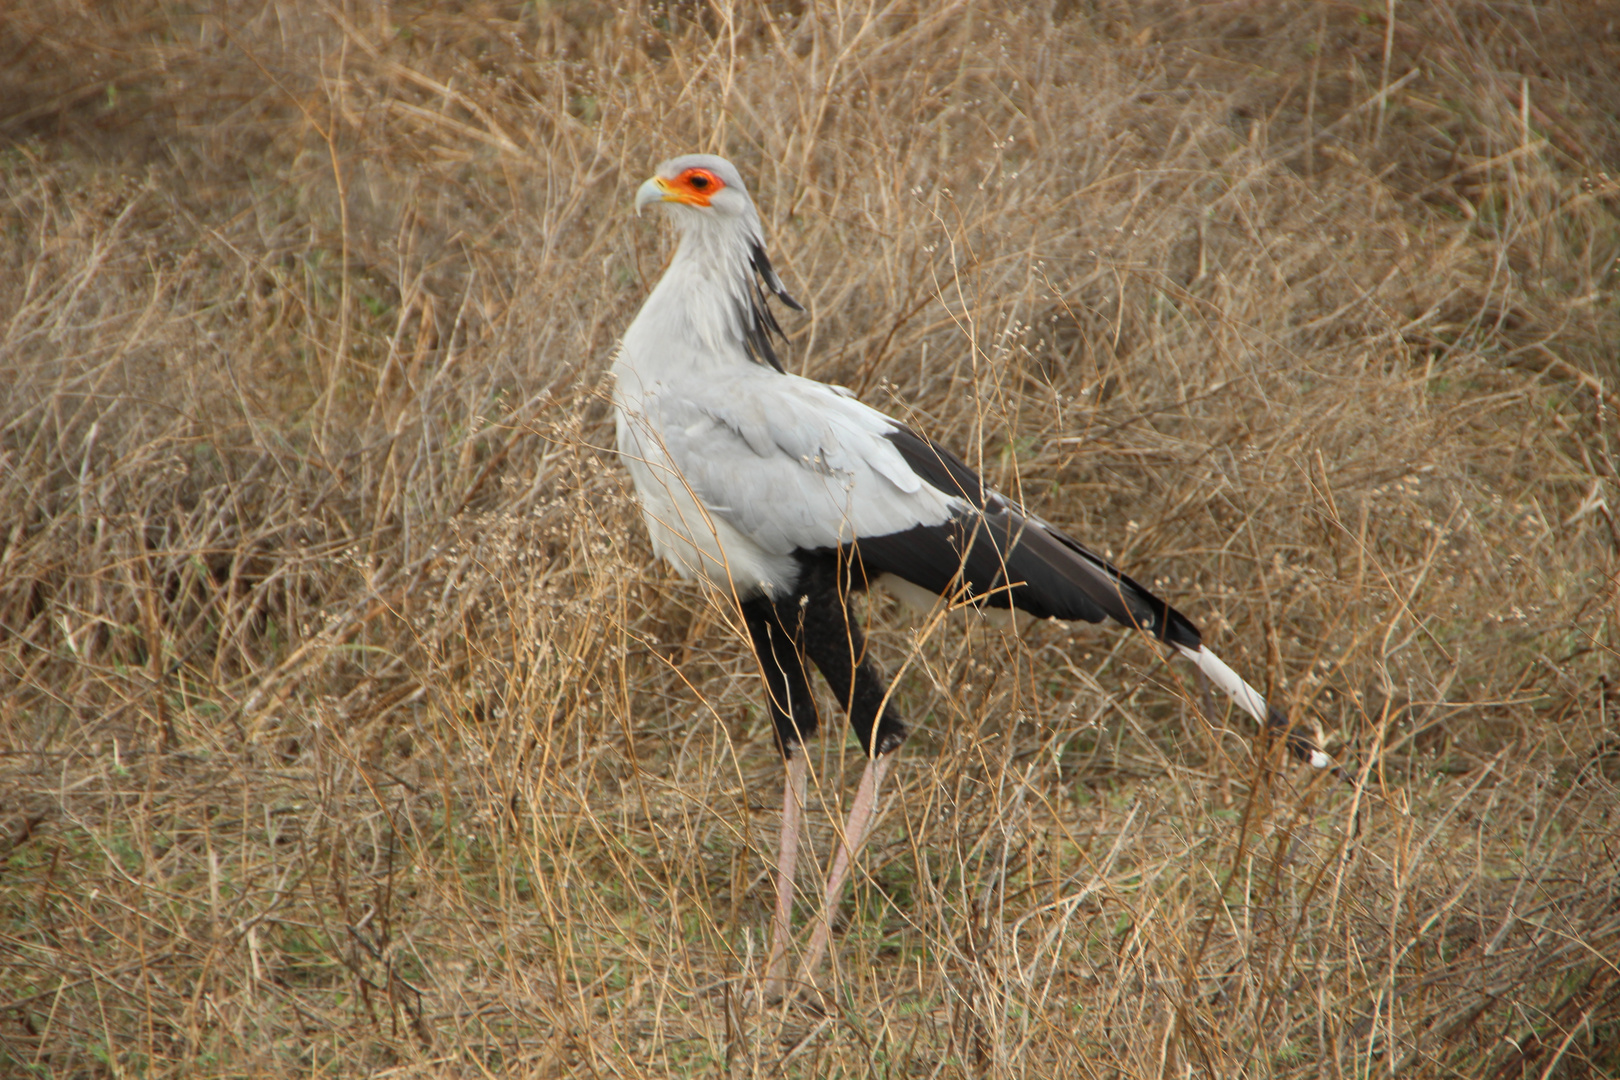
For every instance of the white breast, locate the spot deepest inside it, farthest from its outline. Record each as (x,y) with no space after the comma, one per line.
(698,543)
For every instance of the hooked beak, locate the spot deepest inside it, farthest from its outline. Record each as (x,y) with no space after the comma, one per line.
(655,190)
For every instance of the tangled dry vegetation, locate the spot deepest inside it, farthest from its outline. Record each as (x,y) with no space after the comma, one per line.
(347,728)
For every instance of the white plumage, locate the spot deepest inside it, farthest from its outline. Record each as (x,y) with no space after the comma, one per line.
(770,464)
(787,494)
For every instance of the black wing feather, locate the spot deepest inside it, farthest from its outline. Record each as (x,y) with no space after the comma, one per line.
(997,555)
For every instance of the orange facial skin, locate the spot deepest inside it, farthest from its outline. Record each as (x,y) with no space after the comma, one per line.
(693,187)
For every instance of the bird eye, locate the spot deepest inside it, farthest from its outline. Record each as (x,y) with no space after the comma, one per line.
(699,181)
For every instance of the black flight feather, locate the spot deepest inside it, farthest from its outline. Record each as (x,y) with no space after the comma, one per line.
(998,556)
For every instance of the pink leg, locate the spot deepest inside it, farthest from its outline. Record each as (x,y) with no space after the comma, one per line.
(860,818)
(786,860)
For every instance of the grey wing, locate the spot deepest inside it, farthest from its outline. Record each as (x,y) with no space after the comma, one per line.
(793,465)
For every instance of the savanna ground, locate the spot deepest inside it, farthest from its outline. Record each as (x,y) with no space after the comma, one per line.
(346,726)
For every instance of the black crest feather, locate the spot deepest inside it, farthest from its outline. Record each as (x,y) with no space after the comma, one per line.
(758,322)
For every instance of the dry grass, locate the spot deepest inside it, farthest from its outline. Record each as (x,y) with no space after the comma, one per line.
(347,728)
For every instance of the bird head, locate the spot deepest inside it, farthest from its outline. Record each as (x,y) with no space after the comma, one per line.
(706,197)
(699,187)
(721,232)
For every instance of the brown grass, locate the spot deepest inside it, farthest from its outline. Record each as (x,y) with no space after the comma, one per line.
(348,728)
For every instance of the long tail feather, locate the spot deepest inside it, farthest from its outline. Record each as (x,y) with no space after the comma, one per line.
(1249,700)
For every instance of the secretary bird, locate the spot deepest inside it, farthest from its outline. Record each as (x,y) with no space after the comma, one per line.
(787,495)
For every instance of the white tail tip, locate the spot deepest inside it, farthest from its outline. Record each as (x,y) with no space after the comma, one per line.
(1246,696)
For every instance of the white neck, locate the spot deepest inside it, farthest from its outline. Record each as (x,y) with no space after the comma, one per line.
(695,320)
